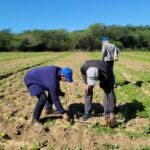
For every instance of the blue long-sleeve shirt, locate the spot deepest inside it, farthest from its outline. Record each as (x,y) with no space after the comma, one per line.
(45,78)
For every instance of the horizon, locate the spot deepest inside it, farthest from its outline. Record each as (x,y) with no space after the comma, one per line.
(71,30)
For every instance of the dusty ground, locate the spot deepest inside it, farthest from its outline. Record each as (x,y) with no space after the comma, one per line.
(16,108)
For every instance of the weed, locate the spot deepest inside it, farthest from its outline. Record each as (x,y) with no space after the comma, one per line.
(38,145)
(50,147)
(50,122)
(101,129)
(134,135)
(109,146)
(146,129)
(25,147)
(77,148)
(143,148)
(65,147)
(3,135)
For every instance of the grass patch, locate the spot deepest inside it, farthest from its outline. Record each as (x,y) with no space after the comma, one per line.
(101,129)
(144,147)
(110,146)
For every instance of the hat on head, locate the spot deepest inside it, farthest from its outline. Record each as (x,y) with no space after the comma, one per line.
(67,72)
(105,39)
(92,75)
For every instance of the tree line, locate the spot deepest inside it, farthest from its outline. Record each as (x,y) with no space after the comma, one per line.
(125,37)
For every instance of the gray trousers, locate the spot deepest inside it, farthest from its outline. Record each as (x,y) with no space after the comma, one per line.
(109,102)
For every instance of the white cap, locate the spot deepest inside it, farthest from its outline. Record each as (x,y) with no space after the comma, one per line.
(92,75)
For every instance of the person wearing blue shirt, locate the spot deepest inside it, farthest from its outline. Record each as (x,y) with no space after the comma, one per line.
(47,78)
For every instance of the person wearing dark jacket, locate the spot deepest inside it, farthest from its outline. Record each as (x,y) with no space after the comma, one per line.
(96,70)
(47,78)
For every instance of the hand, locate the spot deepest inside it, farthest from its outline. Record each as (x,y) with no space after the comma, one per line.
(65,116)
(88,88)
(112,120)
(76,83)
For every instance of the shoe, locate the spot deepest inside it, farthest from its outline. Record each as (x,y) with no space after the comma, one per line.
(49,111)
(85,117)
(35,123)
(52,112)
(56,112)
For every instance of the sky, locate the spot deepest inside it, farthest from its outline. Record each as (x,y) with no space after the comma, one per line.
(21,15)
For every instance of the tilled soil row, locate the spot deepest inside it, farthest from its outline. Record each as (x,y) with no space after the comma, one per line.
(17,108)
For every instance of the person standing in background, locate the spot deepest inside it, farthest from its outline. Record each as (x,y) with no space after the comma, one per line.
(109,54)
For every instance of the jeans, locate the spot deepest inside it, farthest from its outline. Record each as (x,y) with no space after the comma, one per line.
(43,100)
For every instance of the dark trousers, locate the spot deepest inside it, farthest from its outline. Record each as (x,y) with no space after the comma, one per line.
(109,102)
(43,100)
(111,64)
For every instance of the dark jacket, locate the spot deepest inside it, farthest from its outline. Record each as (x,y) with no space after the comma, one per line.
(105,73)
(43,79)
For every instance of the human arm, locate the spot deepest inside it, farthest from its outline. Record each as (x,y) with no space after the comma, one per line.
(83,73)
(56,100)
(59,91)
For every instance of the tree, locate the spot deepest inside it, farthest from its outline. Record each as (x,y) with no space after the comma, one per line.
(6,38)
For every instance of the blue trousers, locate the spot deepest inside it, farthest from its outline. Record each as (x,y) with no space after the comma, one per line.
(43,100)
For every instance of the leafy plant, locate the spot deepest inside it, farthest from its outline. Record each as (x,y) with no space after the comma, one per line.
(3,135)
(38,145)
(109,146)
(101,129)
(143,148)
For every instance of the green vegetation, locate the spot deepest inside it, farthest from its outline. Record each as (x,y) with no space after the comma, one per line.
(132,111)
(109,146)
(135,37)
(143,148)
(3,135)
(101,129)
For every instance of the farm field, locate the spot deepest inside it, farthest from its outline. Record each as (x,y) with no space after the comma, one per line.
(132,132)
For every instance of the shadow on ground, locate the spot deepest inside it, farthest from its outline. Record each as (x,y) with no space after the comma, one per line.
(78,109)
(123,83)
(126,82)
(130,110)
